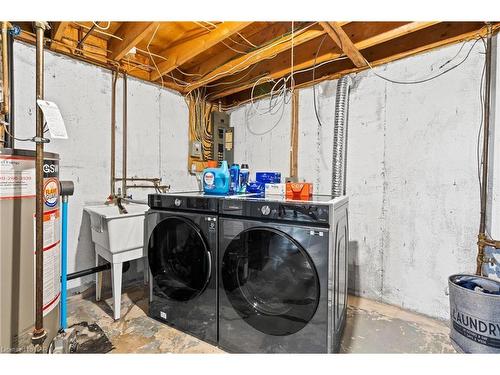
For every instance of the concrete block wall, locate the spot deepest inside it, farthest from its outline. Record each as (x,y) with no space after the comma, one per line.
(411,172)
(157,137)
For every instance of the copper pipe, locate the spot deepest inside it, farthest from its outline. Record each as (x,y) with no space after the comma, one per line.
(486,137)
(81,41)
(124,139)
(114,78)
(39,333)
(5,68)
(138,179)
(5,82)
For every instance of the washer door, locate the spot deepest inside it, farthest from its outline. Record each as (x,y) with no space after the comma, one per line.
(270,281)
(179,259)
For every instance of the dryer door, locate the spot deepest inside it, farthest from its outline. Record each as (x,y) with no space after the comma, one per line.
(270,281)
(179,259)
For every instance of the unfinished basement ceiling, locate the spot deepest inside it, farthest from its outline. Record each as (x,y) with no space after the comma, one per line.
(233,61)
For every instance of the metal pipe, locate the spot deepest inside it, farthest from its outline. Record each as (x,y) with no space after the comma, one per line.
(485,155)
(39,333)
(81,41)
(10,118)
(5,83)
(5,67)
(339,131)
(124,139)
(64,261)
(90,271)
(155,179)
(114,78)
(149,186)
(135,201)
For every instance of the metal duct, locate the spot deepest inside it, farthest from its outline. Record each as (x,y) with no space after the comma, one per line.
(339,137)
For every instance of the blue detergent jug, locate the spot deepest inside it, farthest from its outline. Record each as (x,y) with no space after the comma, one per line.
(216,180)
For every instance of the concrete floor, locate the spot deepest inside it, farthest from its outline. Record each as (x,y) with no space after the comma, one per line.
(371,327)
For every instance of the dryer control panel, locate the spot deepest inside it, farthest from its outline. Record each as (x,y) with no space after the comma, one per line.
(280,211)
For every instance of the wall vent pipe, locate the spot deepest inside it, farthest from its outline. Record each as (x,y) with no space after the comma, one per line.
(339,137)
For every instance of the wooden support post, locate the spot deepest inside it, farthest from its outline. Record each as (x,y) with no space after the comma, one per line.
(294,136)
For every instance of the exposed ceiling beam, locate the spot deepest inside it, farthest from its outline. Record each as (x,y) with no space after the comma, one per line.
(131,34)
(392,34)
(275,74)
(445,33)
(267,52)
(58,29)
(340,38)
(181,53)
(258,33)
(329,55)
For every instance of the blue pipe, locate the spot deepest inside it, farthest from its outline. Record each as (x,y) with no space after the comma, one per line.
(64,259)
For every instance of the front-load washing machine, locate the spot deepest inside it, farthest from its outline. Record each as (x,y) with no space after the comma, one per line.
(282,274)
(181,243)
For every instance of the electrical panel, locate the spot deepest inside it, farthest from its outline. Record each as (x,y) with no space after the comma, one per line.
(223,138)
(196,149)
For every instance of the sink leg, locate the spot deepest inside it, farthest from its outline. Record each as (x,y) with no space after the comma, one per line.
(146,270)
(116,281)
(98,280)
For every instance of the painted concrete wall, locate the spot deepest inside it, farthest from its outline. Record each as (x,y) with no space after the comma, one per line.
(411,173)
(157,137)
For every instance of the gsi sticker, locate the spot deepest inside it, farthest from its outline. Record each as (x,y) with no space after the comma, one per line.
(50,192)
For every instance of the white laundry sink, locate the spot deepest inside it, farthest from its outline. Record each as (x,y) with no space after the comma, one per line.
(118,238)
(117,232)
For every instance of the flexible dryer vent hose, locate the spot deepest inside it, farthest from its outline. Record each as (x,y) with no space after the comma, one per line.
(339,136)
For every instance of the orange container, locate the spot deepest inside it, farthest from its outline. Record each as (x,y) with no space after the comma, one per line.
(212,164)
(299,190)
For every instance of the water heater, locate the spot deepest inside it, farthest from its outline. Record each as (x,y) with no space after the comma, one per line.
(17,248)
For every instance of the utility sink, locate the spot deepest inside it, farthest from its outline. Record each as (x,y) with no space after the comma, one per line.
(117,232)
(118,238)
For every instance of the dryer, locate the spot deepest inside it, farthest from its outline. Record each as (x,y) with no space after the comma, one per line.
(181,243)
(282,274)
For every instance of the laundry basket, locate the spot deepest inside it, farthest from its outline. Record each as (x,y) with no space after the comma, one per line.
(474,314)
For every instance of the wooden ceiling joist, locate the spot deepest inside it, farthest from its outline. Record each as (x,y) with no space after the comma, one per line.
(243,62)
(338,35)
(428,38)
(58,29)
(130,33)
(179,54)
(258,34)
(329,54)
(228,59)
(409,28)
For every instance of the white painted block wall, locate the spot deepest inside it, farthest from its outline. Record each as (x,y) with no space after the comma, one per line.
(157,136)
(411,173)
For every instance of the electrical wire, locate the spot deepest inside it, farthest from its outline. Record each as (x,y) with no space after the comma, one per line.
(96,24)
(151,56)
(234,68)
(314,86)
(246,40)
(429,78)
(479,156)
(5,128)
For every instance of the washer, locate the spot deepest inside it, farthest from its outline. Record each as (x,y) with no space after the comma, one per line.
(282,274)
(181,233)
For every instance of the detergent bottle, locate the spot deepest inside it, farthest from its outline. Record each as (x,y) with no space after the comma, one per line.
(244,177)
(234,182)
(216,180)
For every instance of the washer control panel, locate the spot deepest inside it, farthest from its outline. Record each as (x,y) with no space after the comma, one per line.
(185,202)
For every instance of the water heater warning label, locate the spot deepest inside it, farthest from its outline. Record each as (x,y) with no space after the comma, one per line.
(51,260)
(17,177)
